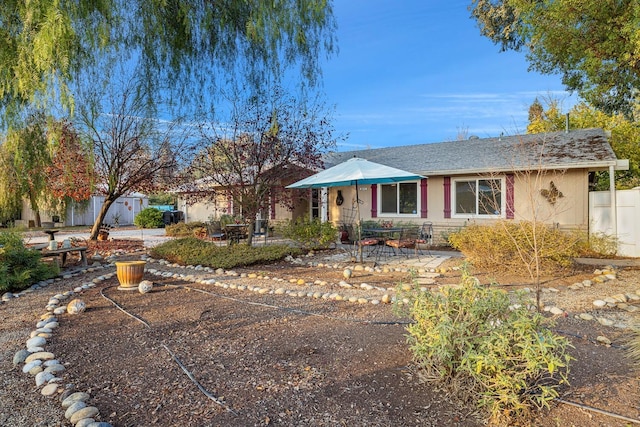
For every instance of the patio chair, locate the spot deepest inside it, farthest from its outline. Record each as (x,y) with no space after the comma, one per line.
(425,237)
(215,232)
(370,242)
(405,241)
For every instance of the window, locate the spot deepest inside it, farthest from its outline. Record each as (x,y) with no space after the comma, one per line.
(400,198)
(478,197)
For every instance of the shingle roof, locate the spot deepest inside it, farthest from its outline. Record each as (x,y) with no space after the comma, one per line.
(586,148)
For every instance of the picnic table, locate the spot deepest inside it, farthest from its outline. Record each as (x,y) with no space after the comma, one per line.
(60,255)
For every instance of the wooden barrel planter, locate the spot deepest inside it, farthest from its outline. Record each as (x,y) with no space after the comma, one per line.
(130,274)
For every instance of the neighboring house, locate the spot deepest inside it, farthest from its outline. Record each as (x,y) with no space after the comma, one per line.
(122,212)
(543,177)
(197,207)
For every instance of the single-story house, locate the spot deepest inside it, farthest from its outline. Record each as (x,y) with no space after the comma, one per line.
(541,177)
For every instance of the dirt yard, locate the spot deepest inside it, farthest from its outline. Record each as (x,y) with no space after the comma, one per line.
(284,360)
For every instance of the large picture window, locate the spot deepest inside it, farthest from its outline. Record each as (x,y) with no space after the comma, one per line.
(478,197)
(400,198)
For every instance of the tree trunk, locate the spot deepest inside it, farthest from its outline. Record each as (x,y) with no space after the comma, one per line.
(33,201)
(251,226)
(101,215)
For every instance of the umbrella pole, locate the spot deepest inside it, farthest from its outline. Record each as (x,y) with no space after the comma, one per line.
(358,223)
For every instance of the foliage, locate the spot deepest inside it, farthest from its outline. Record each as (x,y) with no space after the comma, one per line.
(193,251)
(70,173)
(596,245)
(633,347)
(48,46)
(132,152)
(625,134)
(20,267)
(310,234)
(162,198)
(149,218)
(593,44)
(182,229)
(270,140)
(471,339)
(27,158)
(506,245)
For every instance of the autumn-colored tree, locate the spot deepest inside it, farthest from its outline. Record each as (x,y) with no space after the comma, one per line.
(130,150)
(269,141)
(71,171)
(625,135)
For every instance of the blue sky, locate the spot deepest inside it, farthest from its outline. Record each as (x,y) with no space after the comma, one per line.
(418,71)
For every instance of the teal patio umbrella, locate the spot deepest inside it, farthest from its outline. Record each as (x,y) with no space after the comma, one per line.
(356,171)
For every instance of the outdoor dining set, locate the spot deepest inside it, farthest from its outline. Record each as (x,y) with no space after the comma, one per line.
(386,240)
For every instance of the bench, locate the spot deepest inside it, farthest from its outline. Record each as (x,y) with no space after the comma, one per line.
(61,254)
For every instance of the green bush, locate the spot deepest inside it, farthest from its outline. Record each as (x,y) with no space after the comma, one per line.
(20,267)
(472,340)
(310,234)
(193,251)
(182,229)
(149,218)
(509,245)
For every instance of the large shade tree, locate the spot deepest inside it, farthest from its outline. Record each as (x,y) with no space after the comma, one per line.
(194,44)
(593,44)
(625,134)
(267,141)
(132,152)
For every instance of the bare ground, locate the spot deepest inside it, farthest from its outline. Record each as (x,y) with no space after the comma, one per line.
(283,360)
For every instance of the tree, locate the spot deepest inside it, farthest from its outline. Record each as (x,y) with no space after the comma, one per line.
(27,158)
(625,135)
(128,149)
(595,45)
(48,45)
(70,175)
(269,141)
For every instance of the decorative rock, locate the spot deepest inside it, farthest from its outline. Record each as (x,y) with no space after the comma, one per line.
(41,355)
(75,407)
(347,273)
(76,306)
(604,340)
(386,298)
(88,412)
(35,370)
(85,422)
(36,342)
(49,389)
(78,396)
(20,356)
(59,310)
(556,310)
(55,368)
(43,377)
(599,303)
(585,316)
(145,286)
(29,366)
(605,322)
(100,424)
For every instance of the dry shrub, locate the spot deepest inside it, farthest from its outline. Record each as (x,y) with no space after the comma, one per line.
(509,246)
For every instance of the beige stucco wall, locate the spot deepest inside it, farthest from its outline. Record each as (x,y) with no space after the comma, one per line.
(569,211)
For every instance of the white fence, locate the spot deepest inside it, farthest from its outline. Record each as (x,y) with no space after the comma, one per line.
(627,218)
(122,212)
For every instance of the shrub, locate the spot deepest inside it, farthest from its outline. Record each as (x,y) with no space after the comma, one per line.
(20,267)
(182,229)
(149,218)
(472,340)
(310,234)
(510,245)
(193,251)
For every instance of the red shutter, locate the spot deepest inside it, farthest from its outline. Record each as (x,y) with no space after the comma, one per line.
(447,196)
(510,197)
(423,198)
(374,201)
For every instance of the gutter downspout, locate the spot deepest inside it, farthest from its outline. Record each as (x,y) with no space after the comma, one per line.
(613,207)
